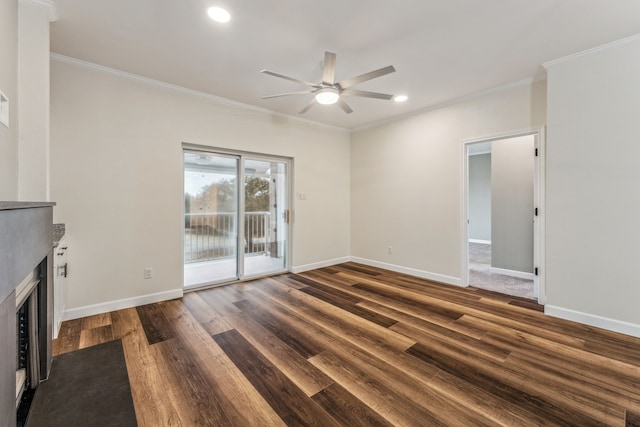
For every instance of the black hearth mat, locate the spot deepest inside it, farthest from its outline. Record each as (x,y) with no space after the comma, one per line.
(88,387)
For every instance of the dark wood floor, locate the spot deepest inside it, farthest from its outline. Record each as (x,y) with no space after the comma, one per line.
(353,345)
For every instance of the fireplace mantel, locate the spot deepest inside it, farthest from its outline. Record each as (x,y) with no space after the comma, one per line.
(25,243)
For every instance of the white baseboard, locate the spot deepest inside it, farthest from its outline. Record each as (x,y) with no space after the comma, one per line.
(410,271)
(321,264)
(90,310)
(594,320)
(513,273)
(484,242)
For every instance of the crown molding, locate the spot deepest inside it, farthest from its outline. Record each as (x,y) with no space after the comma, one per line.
(470,97)
(590,51)
(47,5)
(225,101)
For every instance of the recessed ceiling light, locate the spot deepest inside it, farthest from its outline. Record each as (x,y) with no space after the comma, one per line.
(218,14)
(327,96)
(401,98)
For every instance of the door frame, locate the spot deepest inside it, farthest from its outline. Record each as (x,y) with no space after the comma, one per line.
(242,155)
(539,203)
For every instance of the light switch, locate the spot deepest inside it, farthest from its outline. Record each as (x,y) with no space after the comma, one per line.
(4,109)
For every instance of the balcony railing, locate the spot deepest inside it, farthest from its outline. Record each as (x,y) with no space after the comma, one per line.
(208,237)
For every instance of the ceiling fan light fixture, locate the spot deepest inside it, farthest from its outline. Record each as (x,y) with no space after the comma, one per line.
(219,14)
(327,96)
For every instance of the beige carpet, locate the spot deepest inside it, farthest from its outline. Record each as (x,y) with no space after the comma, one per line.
(480,274)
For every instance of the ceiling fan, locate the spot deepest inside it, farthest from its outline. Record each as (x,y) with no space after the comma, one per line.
(328,91)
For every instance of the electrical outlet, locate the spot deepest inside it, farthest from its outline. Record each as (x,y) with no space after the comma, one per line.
(148,273)
(390,249)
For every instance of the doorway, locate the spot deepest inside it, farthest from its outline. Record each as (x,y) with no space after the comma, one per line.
(502,221)
(236,216)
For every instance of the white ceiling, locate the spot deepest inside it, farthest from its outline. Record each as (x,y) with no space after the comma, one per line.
(442,49)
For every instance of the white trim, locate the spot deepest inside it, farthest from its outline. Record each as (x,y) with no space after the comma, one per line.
(484,242)
(478,153)
(513,273)
(47,5)
(593,320)
(436,277)
(321,264)
(218,99)
(90,310)
(596,49)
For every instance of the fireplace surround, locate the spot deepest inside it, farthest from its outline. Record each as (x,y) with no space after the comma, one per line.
(25,259)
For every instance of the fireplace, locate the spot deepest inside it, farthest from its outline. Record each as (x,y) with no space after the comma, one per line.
(25,302)
(29,333)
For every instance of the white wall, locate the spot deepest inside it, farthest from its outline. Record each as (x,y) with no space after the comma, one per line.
(480,197)
(9,86)
(33,68)
(593,202)
(512,179)
(406,179)
(116,174)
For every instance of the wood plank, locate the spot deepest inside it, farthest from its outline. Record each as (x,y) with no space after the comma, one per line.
(301,320)
(528,304)
(153,404)
(303,374)
(96,321)
(155,324)
(68,337)
(347,409)
(95,336)
(215,299)
(194,396)
(360,268)
(302,344)
(395,408)
(455,357)
(494,407)
(510,385)
(340,322)
(242,402)
(426,401)
(509,316)
(584,388)
(422,320)
(405,298)
(345,304)
(616,374)
(632,419)
(210,320)
(291,404)
(442,336)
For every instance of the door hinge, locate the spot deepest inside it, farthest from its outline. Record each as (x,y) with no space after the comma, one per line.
(536,152)
(535,271)
(536,212)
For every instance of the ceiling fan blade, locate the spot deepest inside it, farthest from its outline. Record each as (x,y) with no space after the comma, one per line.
(293,79)
(364,93)
(302,92)
(366,76)
(345,107)
(329,68)
(308,106)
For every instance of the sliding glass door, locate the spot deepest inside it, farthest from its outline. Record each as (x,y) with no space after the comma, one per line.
(236,217)
(266,213)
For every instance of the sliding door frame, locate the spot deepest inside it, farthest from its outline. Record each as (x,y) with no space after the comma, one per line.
(242,156)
